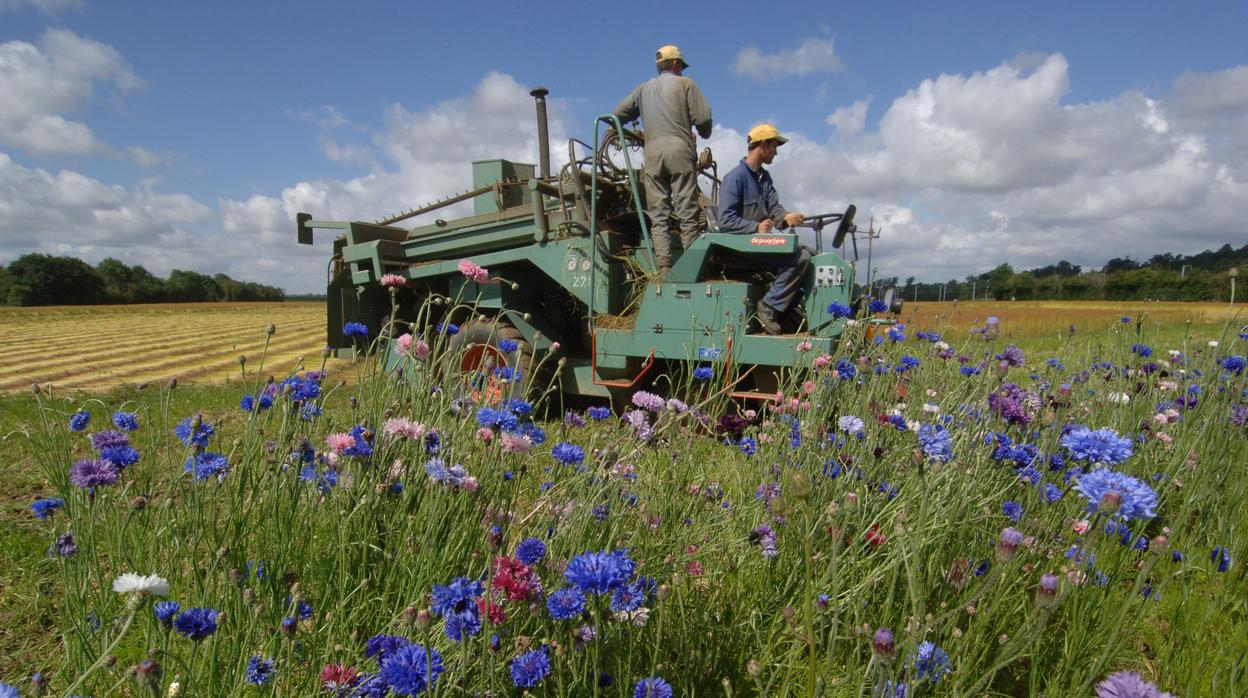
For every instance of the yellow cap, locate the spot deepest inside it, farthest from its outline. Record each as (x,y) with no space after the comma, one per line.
(669,53)
(765,132)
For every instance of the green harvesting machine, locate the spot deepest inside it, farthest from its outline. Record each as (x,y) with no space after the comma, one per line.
(572,272)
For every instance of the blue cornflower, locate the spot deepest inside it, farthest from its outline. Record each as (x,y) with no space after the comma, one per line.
(702,373)
(521,407)
(200,436)
(530,551)
(629,597)
(599,412)
(8,691)
(1099,446)
(1125,319)
(441,473)
(906,363)
(355,329)
(897,333)
(1142,350)
(601,571)
(250,403)
(567,453)
(653,687)
(845,369)
(260,670)
(969,370)
(507,374)
(448,328)
(507,345)
(165,611)
(932,662)
(1234,364)
(411,669)
(120,456)
(1029,474)
(530,668)
(1222,556)
(566,604)
(502,420)
(457,604)
(125,421)
(1117,494)
(65,546)
(205,465)
(197,623)
(748,445)
(45,507)
(936,442)
(1052,493)
(877,306)
(838,309)
(1012,510)
(79,420)
(382,645)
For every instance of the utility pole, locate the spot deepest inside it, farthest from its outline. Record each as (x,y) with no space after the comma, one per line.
(942,292)
(871,234)
(1183,271)
(974,283)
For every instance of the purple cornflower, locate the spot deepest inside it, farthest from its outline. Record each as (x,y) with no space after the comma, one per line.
(103,439)
(573,419)
(1010,356)
(763,536)
(649,401)
(93,472)
(65,546)
(1128,684)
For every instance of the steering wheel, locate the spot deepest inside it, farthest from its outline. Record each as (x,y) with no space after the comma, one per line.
(847,224)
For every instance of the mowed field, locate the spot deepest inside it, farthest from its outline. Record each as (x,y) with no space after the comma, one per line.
(88,348)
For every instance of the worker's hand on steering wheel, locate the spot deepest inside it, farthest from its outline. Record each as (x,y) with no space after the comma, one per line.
(764,226)
(794,219)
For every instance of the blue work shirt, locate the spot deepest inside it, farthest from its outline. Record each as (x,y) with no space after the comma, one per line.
(746,198)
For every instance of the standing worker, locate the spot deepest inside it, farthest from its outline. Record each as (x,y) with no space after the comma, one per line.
(748,203)
(670,106)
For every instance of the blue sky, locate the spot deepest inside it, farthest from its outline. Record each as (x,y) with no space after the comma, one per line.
(181,135)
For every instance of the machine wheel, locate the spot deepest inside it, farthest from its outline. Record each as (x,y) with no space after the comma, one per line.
(478,359)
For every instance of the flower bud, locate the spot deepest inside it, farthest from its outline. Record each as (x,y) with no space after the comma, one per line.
(883,645)
(1046,593)
(270,329)
(175,690)
(1007,547)
(38,683)
(1110,503)
(148,674)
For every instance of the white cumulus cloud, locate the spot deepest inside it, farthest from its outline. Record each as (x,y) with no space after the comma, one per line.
(810,56)
(40,83)
(852,119)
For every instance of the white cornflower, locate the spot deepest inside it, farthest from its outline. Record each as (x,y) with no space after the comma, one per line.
(1213,344)
(131,583)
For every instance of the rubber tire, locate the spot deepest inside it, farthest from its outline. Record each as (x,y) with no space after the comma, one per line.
(490,334)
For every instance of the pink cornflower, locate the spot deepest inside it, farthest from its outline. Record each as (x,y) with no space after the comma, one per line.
(474,272)
(393,281)
(338,677)
(485,434)
(340,442)
(404,428)
(804,346)
(471,484)
(510,443)
(413,347)
(822,361)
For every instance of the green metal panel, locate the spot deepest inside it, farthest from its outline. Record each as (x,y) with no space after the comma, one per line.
(485,172)
(707,307)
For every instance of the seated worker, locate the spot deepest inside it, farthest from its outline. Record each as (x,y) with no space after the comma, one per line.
(748,203)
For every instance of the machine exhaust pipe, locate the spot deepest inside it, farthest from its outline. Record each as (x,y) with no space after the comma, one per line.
(543,138)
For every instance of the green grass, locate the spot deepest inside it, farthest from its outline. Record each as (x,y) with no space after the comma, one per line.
(724,618)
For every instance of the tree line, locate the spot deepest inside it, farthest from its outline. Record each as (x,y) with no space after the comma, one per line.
(1204,276)
(39,279)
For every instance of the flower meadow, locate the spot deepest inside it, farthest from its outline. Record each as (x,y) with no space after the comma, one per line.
(919,515)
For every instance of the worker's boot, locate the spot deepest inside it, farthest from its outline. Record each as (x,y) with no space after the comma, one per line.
(767,318)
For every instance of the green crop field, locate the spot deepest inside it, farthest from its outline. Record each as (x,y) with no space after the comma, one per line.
(960,508)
